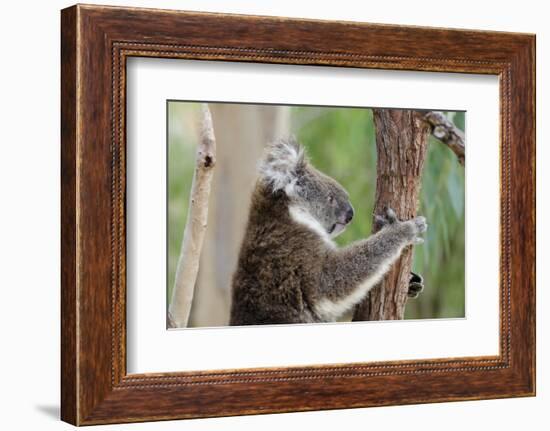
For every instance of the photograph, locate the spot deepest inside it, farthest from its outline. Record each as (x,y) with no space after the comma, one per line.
(292,214)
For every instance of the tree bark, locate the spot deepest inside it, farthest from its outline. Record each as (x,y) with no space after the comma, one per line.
(401,142)
(195,226)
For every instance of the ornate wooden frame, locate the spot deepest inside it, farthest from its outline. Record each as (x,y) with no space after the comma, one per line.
(95,43)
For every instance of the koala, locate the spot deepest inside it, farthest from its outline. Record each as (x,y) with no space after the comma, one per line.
(289,269)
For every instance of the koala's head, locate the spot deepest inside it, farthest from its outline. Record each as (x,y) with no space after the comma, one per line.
(313,196)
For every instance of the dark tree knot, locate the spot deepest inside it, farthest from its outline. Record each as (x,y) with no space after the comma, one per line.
(208,161)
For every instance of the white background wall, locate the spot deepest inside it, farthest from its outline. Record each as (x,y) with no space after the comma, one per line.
(29,214)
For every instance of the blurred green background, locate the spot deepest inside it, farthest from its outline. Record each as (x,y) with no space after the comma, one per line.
(341,143)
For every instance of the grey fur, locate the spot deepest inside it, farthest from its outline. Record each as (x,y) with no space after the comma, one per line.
(289,271)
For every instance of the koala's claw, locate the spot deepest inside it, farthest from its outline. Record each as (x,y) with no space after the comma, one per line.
(380,222)
(421,224)
(416,285)
(390,215)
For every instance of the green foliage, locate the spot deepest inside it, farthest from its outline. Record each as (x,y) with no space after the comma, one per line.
(441,260)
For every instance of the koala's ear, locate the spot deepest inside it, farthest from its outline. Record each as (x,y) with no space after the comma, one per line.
(282,164)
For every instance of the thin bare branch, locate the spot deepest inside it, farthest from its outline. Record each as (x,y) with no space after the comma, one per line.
(446,132)
(195,227)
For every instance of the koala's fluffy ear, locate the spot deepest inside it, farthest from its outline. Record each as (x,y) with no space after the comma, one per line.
(282,164)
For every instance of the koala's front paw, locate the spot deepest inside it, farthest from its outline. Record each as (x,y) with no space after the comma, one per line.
(416,226)
(409,230)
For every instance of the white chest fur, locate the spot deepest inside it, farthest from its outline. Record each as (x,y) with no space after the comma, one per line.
(301,216)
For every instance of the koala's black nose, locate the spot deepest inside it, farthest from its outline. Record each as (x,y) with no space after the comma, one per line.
(349,214)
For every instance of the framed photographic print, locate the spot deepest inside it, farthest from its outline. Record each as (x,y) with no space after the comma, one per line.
(263,215)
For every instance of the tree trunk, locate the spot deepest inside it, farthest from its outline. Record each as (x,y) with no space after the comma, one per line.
(242,131)
(401,142)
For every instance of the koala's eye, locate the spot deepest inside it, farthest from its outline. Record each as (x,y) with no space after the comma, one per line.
(331,200)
